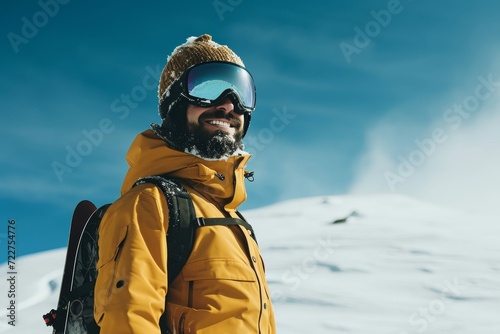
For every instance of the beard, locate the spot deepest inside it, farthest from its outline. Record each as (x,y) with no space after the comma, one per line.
(193,138)
(217,145)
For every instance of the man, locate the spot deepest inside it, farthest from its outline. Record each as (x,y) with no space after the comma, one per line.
(206,98)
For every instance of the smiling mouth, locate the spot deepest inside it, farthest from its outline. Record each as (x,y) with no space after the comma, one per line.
(219,123)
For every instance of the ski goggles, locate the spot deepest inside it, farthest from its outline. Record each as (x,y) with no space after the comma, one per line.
(208,84)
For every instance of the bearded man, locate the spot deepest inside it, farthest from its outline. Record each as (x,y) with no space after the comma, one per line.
(206,99)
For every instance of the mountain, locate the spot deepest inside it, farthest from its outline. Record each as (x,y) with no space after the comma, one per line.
(342,264)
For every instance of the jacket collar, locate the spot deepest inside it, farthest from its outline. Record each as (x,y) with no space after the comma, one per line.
(220,181)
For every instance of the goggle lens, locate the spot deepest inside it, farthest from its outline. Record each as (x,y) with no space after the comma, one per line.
(209,80)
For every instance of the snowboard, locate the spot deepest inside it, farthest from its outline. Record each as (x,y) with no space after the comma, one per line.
(74,313)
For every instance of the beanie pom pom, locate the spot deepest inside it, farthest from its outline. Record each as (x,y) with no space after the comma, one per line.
(203,38)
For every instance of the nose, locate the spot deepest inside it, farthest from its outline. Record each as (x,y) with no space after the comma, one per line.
(226,105)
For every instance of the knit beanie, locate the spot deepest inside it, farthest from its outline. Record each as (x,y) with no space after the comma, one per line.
(196,50)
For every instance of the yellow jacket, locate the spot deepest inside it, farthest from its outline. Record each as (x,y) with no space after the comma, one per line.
(221,289)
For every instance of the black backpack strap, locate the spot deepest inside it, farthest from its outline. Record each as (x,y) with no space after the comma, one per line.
(251,229)
(182,222)
(226,221)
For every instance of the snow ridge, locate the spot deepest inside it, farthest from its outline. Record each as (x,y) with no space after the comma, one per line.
(345,264)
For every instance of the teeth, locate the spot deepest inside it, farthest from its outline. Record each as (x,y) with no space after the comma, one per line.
(220,123)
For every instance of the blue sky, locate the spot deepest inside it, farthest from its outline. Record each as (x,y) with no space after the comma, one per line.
(353,97)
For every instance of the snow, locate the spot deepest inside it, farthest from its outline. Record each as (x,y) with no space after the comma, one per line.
(396,265)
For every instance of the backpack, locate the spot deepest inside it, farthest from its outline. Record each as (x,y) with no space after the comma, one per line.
(75,311)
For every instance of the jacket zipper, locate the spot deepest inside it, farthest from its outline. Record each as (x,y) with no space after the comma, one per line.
(190,294)
(258,280)
(260,298)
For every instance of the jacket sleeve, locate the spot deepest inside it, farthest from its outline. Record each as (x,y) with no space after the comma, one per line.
(129,295)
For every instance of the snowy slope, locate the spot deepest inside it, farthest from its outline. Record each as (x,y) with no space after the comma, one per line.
(395,265)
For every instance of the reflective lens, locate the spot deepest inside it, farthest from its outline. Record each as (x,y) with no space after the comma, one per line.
(208,81)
